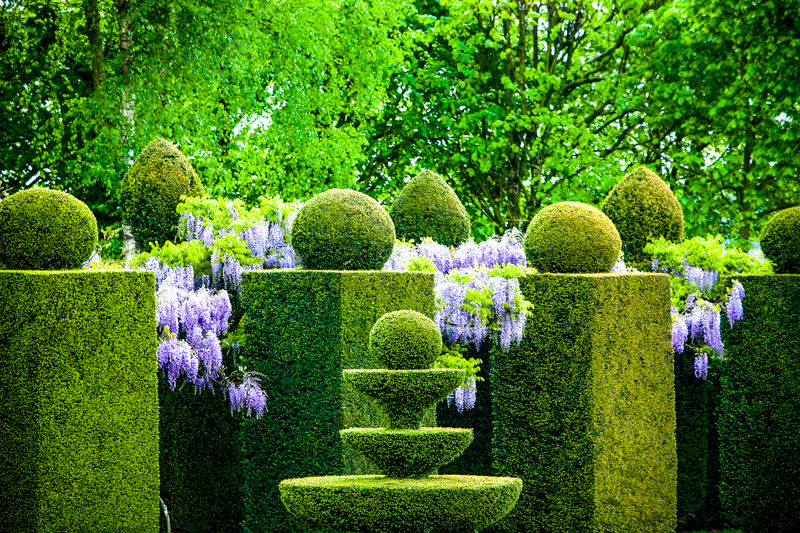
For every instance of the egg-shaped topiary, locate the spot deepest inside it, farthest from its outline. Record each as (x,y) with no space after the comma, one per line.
(643,207)
(152,191)
(780,240)
(341,229)
(428,207)
(572,237)
(42,229)
(405,340)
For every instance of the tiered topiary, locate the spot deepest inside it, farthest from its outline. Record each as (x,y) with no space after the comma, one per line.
(572,237)
(643,207)
(409,498)
(780,240)
(152,191)
(341,229)
(42,229)
(428,207)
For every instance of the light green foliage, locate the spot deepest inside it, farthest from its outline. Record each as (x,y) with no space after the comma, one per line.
(453,357)
(183,254)
(404,340)
(780,240)
(420,264)
(235,215)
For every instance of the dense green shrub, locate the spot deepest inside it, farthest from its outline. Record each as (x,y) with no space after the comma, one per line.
(643,208)
(584,407)
(759,441)
(428,207)
(405,340)
(341,229)
(780,240)
(78,402)
(42,229)
(152,190)
(571,237)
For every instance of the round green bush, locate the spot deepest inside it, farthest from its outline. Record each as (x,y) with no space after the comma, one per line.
(428,207)
(42,229)
(403,340)
(572,237)
(780,240)
(152,191)
(643,207)
(341,229)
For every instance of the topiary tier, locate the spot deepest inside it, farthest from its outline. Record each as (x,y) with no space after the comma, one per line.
(408,498)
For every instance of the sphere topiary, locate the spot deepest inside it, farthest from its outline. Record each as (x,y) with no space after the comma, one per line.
(405,340)
(341,229)
(643,207)
(152,191)
(780,240)
(572,237)
(428,207)
(42,229)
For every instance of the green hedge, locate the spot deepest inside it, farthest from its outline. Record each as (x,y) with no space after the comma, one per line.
(78,402)
(584,407)
(304,328)
(759,422)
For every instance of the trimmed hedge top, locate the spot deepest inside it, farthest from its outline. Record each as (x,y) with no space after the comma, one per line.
(572,237)
(780,240)
(341,229)
(42,229)
(404,340)
(428,207)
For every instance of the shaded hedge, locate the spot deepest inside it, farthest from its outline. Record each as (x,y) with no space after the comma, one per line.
(584,407)
(79,403)
(780,240)
(304,328)
(759,440)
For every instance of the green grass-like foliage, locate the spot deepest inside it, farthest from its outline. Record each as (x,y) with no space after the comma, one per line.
(341,229)
(405,394)
(408,452)
(152,190)
(643,208)
(584,407)
(79,402)
(569,237)
(438,504)
(428,207)
(42,229)
(759,441)
(404,340)
(780,240)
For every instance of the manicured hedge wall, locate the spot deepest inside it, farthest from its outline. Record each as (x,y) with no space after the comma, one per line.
(759,423)
(304,328)
(78,402)
(584,407)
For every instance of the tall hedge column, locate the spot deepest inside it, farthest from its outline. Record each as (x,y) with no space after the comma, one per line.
(78,402)
(584,407)
(303,329)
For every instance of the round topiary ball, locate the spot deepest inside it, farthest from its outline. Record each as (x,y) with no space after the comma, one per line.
(643,207)
(152,191)
(572,237)
(405,340)
(780,240)
(42,229)
(428,207)
(341,229)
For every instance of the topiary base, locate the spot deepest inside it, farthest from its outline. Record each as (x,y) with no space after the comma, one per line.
(437,504)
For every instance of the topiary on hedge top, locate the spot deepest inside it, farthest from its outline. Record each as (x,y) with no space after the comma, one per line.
(42,229)
(403,340)
(643,207)
(571,237)
(780,240)
(341,229)
(152,191)
(428,207)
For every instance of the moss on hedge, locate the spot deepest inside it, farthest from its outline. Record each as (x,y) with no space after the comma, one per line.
(780,240)
(79,403)
(405,340)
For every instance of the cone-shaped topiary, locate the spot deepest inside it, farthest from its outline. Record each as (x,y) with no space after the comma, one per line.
(341,229)
(405,340)
(42,229)
(571,237)
(780,240)
(428,207)
(643,207)
(152,191)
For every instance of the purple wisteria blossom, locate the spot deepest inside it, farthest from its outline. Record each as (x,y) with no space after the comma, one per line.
(504,251)
(680,333)
(734,309)
(468,255)
(247,396)
(703,279)
(401,253)
(701,366)
(439,253)
(620,266)
(464,396)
